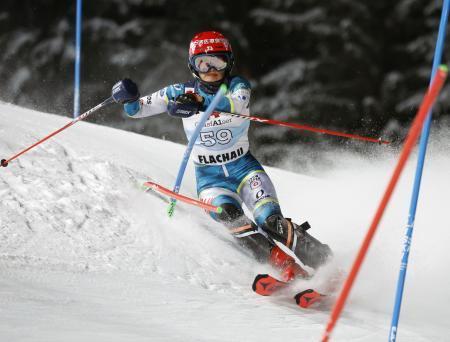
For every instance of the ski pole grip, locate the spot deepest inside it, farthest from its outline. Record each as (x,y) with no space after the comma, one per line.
(4,163)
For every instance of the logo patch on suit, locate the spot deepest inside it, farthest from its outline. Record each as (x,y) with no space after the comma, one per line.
(254,182)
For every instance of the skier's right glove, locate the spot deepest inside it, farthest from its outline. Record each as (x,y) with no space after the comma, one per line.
(185,105)
(126,92)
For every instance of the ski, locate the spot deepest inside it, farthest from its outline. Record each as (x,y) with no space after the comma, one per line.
(266,285)
(307,298)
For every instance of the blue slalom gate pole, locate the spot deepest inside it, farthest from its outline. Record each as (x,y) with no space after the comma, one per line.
(76,98)
(417,180)
(192,140)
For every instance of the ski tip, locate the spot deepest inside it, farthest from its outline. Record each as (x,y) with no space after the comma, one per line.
(307,298)
(257,279)
(266,285)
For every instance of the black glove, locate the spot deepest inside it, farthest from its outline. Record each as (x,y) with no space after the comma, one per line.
(125,91)
(185,105)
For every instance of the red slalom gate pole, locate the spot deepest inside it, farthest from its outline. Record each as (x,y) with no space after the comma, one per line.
(5,162)
(306,128)
(182,198)
(413,134)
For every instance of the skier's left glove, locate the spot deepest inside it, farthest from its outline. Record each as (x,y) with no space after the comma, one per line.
(185,105)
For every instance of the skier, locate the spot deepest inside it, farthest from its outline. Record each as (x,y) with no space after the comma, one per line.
(227,174)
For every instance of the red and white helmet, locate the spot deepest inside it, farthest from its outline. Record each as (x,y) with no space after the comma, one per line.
(210,50)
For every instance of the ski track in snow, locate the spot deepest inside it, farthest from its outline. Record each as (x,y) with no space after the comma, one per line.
(85,254)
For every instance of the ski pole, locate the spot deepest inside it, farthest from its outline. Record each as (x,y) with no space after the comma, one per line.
(5,162)
(306,128)
(220,93)
(414,131)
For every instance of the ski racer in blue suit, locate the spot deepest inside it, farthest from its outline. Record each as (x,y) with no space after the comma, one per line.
(227,174)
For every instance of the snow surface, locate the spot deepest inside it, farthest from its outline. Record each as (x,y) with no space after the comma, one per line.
(86,255)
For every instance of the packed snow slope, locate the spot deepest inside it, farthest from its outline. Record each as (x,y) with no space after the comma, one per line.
(86,255)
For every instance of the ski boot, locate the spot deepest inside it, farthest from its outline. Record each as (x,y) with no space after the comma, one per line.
(308,249)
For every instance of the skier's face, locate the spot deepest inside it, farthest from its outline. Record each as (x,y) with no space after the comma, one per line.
(212,75)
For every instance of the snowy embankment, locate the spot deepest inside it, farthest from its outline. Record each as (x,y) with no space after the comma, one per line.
(86,255)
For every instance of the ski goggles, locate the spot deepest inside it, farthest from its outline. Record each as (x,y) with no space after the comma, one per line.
(205,63)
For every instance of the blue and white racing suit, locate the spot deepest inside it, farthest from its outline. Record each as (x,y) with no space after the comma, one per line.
(227,173)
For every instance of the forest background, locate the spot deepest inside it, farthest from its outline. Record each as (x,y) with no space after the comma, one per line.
(355,66)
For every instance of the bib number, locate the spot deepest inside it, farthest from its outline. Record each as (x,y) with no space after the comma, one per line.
(211,138)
